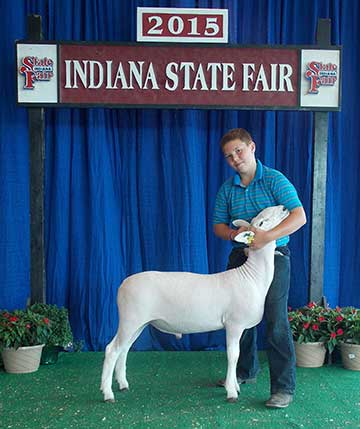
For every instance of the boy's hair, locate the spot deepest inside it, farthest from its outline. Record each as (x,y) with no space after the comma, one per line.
(236,133)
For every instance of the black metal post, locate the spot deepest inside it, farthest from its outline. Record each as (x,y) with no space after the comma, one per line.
(316,291)
(37,156)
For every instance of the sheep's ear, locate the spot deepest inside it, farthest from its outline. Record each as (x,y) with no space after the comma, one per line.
(239,222)
(245,237)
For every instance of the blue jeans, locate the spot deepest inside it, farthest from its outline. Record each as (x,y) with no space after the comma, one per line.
(280,352)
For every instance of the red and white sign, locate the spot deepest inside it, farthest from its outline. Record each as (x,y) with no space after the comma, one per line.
(88,74)
(37,73)
(320,80)
(182,25)
(185,76)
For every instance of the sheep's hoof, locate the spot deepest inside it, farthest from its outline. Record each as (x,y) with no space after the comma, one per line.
(231,400)
(110,401)
(124,389)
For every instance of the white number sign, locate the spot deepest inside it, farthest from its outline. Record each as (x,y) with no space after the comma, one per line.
(182,25)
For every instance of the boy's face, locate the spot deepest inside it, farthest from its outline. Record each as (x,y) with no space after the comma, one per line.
(239,155)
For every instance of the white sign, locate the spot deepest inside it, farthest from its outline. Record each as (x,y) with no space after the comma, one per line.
(182,25)
(320,78)
(37,79)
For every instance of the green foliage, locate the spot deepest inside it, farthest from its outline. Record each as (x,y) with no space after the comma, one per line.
(22,328)
(350,324)
(61,334)
(314,323)
(78,345)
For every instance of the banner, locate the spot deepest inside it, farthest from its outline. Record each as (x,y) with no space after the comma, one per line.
(178,76)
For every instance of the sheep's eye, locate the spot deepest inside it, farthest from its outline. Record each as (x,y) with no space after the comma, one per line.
(260,224)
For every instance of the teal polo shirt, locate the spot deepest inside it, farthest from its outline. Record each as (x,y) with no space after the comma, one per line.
(268,188)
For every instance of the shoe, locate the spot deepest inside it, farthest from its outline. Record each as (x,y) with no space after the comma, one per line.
(221,383)
(279,400)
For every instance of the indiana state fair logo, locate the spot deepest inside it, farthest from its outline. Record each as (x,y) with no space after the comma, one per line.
(36,69)
(320,74)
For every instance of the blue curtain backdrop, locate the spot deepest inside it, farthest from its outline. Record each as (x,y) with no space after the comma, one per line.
(133,190)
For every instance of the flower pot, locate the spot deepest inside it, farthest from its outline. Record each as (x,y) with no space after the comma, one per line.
(310,355)
(350,355)
(50,355)
(22,360)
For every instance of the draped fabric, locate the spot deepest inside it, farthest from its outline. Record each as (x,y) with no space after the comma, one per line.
(133,190)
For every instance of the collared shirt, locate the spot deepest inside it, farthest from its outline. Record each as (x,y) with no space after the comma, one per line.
(268,188)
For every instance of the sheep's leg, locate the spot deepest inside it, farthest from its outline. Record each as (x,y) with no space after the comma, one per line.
(112,352)
(233,335)
(120,344)
(120,368)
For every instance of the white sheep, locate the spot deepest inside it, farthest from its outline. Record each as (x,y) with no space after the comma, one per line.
(183,303)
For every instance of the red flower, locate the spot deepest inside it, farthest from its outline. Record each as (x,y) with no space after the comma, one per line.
(306,325)
(13,319)
(339,318)
(338,309)
(339,331)
(321,319)
(290,318)
(333,335)
(315,327)
(311,304)
(28,326)
(46,320)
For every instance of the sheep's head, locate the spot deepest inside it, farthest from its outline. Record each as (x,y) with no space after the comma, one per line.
(270,217)
(266,219)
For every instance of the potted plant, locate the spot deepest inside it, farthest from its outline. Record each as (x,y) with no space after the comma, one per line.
(315,329)
(61,334)
(350,346)
(23,334)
